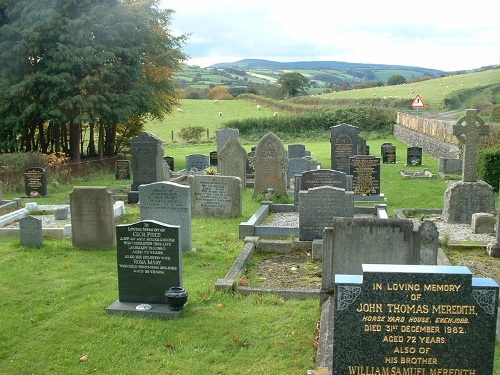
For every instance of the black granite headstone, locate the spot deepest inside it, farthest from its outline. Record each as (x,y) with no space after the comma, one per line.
(35,182)
(122,170)
(344,144)
(365,171)
(414,156)
(170,161)
(149,261)
(429,320)
(388,152)
(213,158)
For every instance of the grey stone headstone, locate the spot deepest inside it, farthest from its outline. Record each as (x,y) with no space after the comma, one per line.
(216,196)
(169,203)
(450,166)
(147,159)
(197,162)
(344,144)
(35,181)
(297,166)
(30,231)
(270,165)
(233,160)
(365,171)
(422,319)
(462,199)
(297,150)
(414,156)
(224,135)
(92,217)
(428,238)
(361,146)
(317,208)
(149,261)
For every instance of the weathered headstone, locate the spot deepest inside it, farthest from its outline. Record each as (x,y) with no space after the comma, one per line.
(30,231)
(297,166)
(197,162)
(317,208)
(92,217)
(397,319)
(149,262)
(361,146)
(388,152)
(429,242)
(470,135)
(365,171)
(35,182)
(147,160)
(169,203)
(270,163)
(462,199)
(216,196)
(344,144)
(233,160)
(414,156)
(296,150)
(450,166)
(122,170)
(224,135)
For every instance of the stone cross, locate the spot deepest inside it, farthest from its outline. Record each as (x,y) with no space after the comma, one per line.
(469,136)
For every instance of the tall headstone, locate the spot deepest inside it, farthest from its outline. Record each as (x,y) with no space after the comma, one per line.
(317,208)
(270,163)
(233,160)
(92,217)
(296,150)
(169,203)
(344,144)
(147,159)
(365,171)
(35,182)
(469,196)
(216,196)
(469,130)
(398,319)
(30,231)
(197,162)
(414,156)
(224,135)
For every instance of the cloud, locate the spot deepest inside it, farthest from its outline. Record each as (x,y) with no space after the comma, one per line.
(425,33)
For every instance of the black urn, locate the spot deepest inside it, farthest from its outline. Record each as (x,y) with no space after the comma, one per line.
(176,298)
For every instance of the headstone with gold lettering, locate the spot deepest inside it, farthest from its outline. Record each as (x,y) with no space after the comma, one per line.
(398,319)
(344,144)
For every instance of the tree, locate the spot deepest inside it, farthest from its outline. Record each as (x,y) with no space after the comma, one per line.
(396,80)
(90,64)
(218,93)
(292,84)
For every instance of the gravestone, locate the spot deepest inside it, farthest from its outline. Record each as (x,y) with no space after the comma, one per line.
(30,231)
(325,177)
(92,217)
(216,196)
(224,135)
(466,197)
(388,152)
(170,162)
(214,159)
(122,170)
(147,160)
(365,171)
(317,208)
(362,148)
(169,203)
(296,150)
(233,160)
(297,166)
(1,191)
(149,262)
(270,163)
(398,319)
(429,242)
(450,166)
(35,182)
(197,162)
(250,170)
(344,144)
(493,248)
(414,156)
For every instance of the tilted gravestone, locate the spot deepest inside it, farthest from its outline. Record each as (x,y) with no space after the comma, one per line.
(344,145)
(147,159)
(398,319)
(216,196)
(469,196)
(92,217)
(233,160)
(30,231)
(35,182)
(169,203)
(270,163)
(319,206)
(149,262)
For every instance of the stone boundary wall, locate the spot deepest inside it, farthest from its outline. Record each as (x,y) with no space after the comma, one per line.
(435,137)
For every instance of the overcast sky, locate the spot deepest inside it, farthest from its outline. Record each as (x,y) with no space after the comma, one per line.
(437,34)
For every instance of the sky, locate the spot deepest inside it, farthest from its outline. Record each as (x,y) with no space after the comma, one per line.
(434,34)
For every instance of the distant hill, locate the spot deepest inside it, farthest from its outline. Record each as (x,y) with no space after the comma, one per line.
(319,65)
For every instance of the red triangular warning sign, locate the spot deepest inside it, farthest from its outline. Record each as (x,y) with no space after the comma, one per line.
(418,102)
